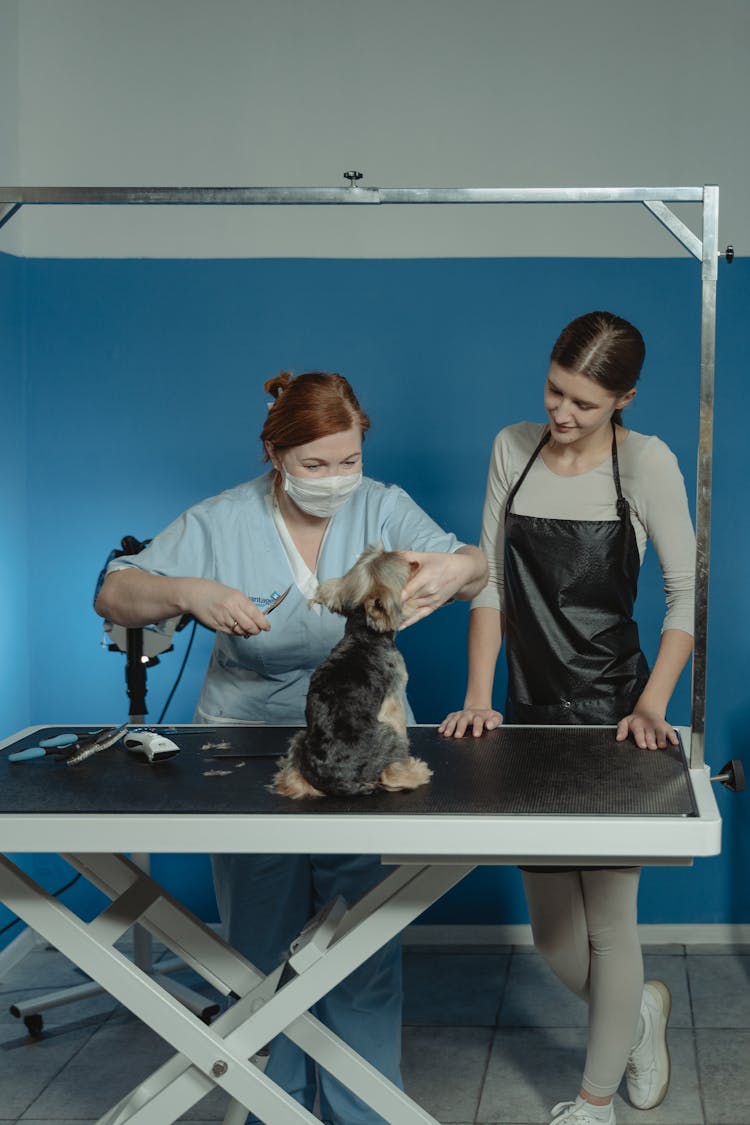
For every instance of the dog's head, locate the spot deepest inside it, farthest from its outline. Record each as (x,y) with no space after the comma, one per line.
(375,583)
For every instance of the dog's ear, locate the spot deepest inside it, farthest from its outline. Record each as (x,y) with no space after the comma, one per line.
(330,594)
(384,610)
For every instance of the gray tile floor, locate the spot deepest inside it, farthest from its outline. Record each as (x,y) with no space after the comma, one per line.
(489,1037)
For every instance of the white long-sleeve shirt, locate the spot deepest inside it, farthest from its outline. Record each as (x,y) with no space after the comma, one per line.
(651,482)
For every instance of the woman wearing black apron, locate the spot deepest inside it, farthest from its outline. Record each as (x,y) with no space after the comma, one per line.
(569,508)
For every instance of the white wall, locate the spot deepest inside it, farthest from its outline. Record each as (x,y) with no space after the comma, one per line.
(9,114)
(411,92)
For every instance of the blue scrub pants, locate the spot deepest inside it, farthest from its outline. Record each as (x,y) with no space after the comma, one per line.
(264,902)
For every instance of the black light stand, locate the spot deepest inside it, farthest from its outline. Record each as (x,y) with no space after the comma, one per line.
(135,676)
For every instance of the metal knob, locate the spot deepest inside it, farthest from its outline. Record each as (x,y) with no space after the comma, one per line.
(732,775)
(352,177)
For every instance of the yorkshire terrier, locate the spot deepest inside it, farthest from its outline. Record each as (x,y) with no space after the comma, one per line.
(355,740)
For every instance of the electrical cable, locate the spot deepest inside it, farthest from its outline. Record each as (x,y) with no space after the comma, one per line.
(55,894)
(179,674)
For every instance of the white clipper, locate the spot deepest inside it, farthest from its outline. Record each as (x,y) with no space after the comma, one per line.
(150,745)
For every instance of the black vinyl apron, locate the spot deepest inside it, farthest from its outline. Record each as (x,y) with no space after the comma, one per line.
(572,645)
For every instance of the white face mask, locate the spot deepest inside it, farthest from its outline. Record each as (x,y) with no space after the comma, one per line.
(321,496)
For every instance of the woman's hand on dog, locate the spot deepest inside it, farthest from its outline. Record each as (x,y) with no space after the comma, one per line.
(438,576)
(471,720)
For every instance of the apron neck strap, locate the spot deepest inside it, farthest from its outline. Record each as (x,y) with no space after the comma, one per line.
(545,438)
(623,508)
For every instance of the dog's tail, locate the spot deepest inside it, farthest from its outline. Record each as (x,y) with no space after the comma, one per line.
(289,780)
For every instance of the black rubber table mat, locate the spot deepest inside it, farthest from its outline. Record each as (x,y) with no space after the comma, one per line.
(566,771)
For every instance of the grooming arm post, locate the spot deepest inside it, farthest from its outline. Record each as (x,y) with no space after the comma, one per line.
(709,271)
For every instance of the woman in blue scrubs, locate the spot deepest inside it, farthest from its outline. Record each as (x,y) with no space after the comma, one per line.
(222,561)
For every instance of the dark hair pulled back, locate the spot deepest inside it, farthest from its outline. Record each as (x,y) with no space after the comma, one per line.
(604,347)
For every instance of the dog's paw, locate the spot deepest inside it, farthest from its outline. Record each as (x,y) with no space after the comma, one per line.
(289,782)
(407,773)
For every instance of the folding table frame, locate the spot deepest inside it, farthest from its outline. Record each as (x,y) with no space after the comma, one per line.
(429,855)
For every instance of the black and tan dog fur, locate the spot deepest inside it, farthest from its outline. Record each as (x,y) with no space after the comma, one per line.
(355,740)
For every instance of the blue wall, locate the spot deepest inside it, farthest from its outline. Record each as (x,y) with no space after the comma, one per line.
(145,395)
(14,650)
(14,646)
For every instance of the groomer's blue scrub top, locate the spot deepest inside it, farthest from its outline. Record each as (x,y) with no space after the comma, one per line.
(232,539)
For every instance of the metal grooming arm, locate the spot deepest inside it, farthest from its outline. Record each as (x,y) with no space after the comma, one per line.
(655,199)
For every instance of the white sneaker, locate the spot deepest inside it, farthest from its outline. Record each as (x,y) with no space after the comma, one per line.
(580,1113)
(648,1069)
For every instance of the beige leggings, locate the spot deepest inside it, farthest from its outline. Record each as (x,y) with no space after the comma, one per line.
(584,925)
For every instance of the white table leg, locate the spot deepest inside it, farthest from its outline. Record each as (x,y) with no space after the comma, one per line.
(220,1055)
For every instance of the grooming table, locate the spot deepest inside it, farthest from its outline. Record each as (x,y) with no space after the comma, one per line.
(536,795)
